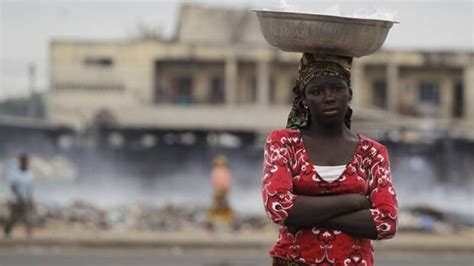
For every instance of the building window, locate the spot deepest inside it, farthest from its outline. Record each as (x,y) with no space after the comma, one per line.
(217,90)
(428,93)
(272,90)
(179,82)
(380,93)
(176,89)
(458,104)
(102,62)
(183,88)
(253,91)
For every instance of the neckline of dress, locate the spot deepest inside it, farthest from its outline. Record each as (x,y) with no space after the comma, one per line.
(356,151)
(330,166)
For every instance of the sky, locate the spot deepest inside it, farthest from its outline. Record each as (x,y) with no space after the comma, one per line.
(27,27)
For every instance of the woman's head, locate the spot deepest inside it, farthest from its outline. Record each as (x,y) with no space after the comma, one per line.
(322,91)
(220,161)
(327,98)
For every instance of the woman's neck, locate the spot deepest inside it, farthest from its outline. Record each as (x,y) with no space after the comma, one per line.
(328,130)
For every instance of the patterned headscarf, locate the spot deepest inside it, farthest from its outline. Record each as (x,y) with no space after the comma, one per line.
(311,66)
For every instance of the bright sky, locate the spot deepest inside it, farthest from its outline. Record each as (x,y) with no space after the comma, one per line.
(28,26)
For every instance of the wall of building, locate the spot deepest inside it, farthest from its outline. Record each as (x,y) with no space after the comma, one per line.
(253,76)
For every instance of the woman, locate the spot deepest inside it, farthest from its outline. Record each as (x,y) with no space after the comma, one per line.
(221,182)
(330,189)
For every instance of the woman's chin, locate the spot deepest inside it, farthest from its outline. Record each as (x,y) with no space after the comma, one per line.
(330,120)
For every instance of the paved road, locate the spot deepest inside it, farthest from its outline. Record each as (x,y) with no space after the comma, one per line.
(144,257)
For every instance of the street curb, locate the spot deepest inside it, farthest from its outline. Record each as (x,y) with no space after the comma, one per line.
(416,246)
(126,243)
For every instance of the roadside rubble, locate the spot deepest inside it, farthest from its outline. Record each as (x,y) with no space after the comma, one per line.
(143,217)
(137,216)
(429,219)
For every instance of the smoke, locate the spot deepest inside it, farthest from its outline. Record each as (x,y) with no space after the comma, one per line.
(416,183)
(106,180)
(182,177)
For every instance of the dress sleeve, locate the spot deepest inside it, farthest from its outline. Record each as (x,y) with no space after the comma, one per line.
(382,195)
(277,184)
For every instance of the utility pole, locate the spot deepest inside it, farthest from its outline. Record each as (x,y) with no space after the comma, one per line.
(32,108)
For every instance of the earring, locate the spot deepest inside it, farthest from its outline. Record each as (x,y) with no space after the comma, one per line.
(305,106)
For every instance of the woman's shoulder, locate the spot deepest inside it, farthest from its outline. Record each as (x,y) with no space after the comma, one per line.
(283,135)
(371,144)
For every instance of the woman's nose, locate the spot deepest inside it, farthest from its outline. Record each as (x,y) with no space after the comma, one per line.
(328,95)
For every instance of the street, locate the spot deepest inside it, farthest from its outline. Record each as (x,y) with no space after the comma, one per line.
(178,257)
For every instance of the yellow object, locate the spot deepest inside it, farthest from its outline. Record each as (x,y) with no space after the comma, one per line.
(221,211)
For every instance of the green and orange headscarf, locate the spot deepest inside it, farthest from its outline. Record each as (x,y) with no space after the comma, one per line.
(311,66)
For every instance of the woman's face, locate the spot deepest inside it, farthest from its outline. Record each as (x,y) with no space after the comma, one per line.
(327,98)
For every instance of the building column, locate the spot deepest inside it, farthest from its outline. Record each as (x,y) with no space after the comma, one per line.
(281,88)
(230,89)
(468,87)
(201,86)
(263,82)
(392,87)
(357,75)
(447,97)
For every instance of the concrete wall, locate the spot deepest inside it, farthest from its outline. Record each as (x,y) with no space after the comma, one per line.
(134,67)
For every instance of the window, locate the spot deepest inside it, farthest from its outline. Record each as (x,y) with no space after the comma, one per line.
(428,93)
(458,104)
(273,91)
(176,89)
(380,93)
(102,62)
(183,88)
(217,90)
(253,91)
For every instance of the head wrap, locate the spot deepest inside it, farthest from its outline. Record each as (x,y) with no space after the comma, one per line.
(311,66)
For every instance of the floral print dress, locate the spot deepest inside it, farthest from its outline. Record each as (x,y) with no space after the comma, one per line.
(288,173)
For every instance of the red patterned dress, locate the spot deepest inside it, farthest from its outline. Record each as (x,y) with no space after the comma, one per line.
(288,173)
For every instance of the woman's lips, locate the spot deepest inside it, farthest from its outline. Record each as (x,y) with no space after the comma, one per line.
(330,112)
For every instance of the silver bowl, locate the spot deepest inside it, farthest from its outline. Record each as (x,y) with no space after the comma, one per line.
(323,34)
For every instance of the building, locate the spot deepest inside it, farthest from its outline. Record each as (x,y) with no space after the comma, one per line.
(219,74)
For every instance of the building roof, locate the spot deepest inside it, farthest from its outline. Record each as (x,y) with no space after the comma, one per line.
(202,24)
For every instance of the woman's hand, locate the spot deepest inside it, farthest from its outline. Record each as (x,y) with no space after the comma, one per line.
(363,201)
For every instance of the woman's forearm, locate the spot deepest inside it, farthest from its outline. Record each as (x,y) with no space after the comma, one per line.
(312,210)
(359,223)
